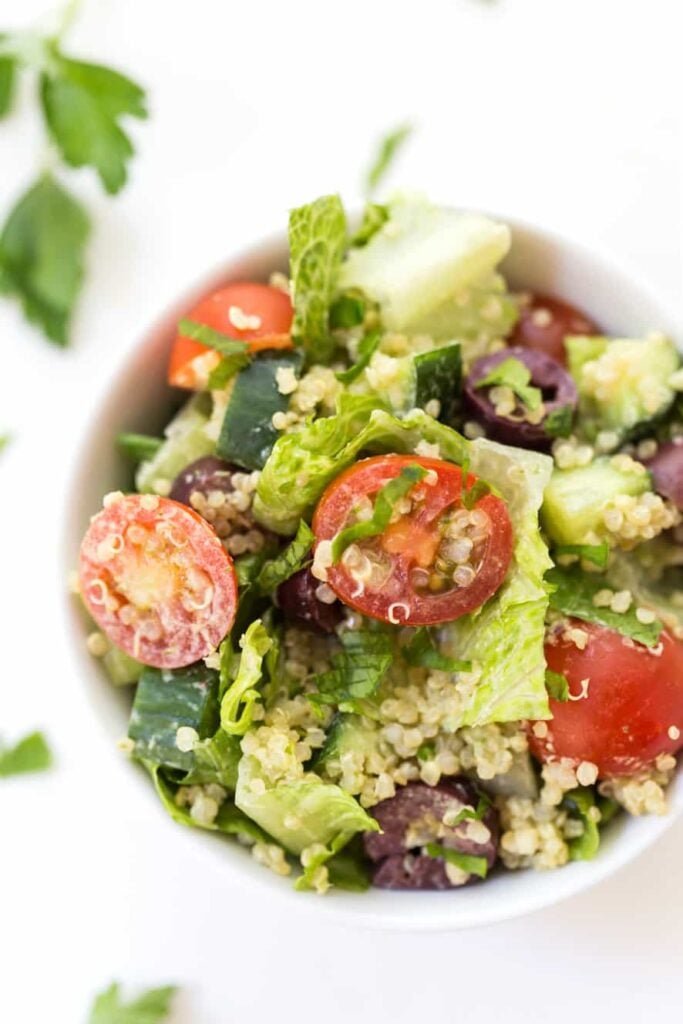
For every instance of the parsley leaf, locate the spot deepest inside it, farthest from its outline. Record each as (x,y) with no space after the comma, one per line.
(386,153)
(572,593)
(138,447)
(356,671)
(512,373)
(8,70)
(41,255)
(556,684)
(367,347)
(152,1007)
(385,500)
(466,862)
(374,217)
(422,651)
(558,423)
(30,754)
(82,106)
(289,561)
(598,554)
(317,240)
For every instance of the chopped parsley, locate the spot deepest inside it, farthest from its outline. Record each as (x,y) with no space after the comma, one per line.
(465,861)
(367,347)
(556,684)
(385,500)
(512,373)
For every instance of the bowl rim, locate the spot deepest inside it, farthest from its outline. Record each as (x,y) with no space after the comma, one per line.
(435,912)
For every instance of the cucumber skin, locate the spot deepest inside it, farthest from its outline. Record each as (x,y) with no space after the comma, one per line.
(186,440)
(575,498)
(438,376)
(247,435)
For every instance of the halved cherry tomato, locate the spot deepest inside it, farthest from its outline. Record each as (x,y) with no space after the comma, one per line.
(435,562)
(157,580)
(230,310)
(627,706)
(544,322)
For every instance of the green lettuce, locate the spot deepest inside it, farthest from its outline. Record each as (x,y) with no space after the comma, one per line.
(240,695)
(504,638)
(573,593)
(303,463)
(229,819)
(317,240)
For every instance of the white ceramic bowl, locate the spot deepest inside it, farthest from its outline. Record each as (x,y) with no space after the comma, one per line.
(140,400)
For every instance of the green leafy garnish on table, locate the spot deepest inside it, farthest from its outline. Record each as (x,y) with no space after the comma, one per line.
(151,1007)
(386,154)
(30,754)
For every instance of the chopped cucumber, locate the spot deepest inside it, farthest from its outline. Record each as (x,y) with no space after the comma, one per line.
(438,375)
(575,499)
(421,257)
(475,316)
(167,700)
(187,439)
(247,434)
(347,733)
(622,383)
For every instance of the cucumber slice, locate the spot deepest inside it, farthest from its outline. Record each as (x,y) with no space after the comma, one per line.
(438,376)
(574,499)
(247,434)
(187,439)
(347,733)
(165,701)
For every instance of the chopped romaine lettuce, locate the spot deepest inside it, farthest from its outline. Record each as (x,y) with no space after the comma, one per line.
(317,240)
(229,819)
(304,462)
(240,695)
(421,258)
(504,639)
(278,569)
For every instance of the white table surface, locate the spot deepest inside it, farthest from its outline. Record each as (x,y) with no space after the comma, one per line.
(565,113)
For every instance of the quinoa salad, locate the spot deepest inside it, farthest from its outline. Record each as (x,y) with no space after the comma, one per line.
(398,594)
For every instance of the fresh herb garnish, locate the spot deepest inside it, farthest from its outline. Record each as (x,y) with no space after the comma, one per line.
(466,862)
(222,343)
(422,651)
(470,495)
(347,311)
(356,671)
(597,554)
(289,561)
(367,347)
(374,217)
(556,684)
(385,500)
(386,154)
(572,593)
(152,1007)
(426,752)
(580,803)
(317,240)
(138,447)
(471,814)
(512,373)
(30,754)
(558,422)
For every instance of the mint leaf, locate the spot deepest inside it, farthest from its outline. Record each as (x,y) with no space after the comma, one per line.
(556,684)
(386,498)
(558,423)
(222,343)
(8,74)
(152,1007)
(386,153)
(374,216)
(41,255)
(512,373)
(472,865)
(598,554)
(30,754)
(356,671)
(317,240)
(289,561)
(422,651)
(138,447)
(82,106)
(367,347)
(572,593)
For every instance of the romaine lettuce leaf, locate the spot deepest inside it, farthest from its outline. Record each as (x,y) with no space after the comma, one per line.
(314,811)
(421,258)
(504,639)
(303,463)
(317,240)
(229,819)
(240,695)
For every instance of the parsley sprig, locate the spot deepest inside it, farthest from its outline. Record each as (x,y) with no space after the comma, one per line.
(83,107)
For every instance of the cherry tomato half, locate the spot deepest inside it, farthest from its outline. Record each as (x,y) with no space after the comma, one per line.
(157,580)
(629,710)
(544,322)
(435,561)
(244,310)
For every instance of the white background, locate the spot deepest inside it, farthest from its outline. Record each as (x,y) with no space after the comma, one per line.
(563,112)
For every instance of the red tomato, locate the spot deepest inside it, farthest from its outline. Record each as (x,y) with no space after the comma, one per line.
(544,322)
(157,580)
(633,704)
(405,575)
(225,310)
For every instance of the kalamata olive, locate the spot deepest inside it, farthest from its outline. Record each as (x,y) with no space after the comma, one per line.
(557,387)
(544,323)
(300,604)
(666,466)
(413,818)
(204,475)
